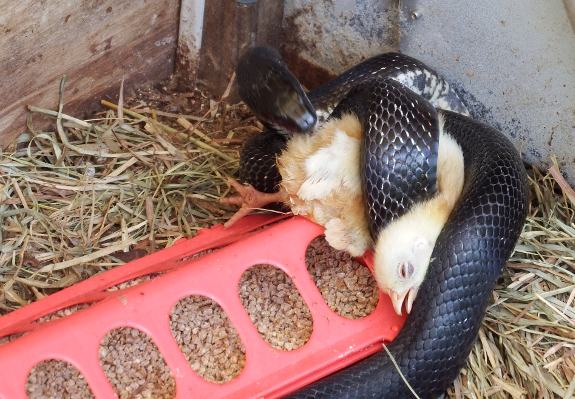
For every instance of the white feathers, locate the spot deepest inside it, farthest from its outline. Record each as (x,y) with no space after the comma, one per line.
(346,238)
(320,174)
(332,168)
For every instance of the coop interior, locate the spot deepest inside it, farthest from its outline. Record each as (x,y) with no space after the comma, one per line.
(120,125)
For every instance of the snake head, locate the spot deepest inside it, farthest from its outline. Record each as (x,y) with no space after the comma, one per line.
(273,93)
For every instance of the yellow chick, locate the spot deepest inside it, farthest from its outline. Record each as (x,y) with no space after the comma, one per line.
(321,181)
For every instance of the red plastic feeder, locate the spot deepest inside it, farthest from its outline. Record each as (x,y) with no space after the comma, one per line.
(335,342)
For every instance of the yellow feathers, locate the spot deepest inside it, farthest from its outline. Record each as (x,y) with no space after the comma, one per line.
(320,174)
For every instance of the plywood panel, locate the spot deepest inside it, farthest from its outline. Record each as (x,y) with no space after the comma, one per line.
(95,42)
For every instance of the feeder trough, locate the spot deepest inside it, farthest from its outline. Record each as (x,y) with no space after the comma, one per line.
(335,342)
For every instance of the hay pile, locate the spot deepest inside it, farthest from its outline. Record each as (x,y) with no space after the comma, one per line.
(91,195)
(526,346)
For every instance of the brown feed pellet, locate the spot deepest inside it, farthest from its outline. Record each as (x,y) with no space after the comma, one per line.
(12,337)
(134,365)
(275,307)
(56,379)
(207,338)
(63,312)
(133,282)
(347,286)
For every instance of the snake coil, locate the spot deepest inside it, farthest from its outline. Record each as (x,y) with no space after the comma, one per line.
(470,251)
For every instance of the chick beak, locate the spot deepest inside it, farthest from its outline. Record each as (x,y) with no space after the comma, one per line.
(397,300)
(412,293)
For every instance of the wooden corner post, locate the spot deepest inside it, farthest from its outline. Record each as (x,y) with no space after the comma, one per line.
(231,26)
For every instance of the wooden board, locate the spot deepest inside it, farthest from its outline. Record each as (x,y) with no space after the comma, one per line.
(230,27)
(95,42)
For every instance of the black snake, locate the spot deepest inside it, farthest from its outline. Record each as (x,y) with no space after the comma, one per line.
(398,151)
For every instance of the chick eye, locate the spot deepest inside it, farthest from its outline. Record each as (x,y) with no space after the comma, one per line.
(406,269)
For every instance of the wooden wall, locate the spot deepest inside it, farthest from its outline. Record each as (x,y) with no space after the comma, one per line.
(95,42)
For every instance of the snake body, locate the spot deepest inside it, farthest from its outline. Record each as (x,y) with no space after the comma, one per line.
(400,101)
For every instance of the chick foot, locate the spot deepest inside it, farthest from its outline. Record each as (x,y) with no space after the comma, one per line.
(249,198)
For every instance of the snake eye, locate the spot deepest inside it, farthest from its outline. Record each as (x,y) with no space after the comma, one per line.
(406,269)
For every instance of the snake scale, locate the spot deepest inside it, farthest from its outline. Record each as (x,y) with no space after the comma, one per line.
(394,95)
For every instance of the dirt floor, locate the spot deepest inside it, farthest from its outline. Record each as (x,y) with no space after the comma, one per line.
(229,125)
